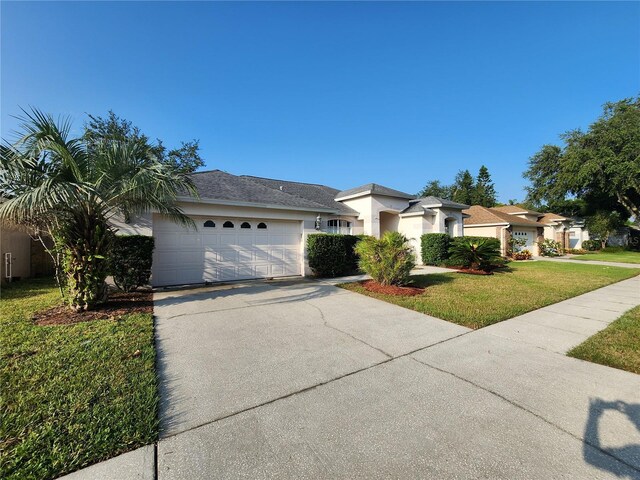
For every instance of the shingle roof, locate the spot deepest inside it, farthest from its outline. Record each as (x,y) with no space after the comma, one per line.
(486,216)
(219,185)
(310,191)
(548,218)
(436,201)
(375,189)
(420,204)
(516,209)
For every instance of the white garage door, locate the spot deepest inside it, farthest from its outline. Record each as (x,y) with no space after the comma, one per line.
(224,249)
(528,236)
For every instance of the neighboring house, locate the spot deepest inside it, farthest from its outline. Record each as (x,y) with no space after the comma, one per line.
(252,227)
(515,221)
(21,256)
(491,222)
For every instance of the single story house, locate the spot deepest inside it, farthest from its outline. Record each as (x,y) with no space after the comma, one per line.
(253,227)
(510,221)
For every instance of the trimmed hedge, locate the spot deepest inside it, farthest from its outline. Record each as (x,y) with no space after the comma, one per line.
(332,255)
(130,261)
(435,248)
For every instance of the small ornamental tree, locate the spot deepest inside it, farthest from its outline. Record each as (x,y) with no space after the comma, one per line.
(388,260)
(475,253)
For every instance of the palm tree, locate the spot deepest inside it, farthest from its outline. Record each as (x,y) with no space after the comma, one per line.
(474,253)
(71,189)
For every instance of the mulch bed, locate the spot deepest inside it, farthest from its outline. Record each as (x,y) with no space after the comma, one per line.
(117,305)
(391,289)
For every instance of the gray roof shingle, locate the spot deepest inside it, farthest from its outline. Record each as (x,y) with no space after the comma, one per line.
(310,191)
(420,204)
(375,189)
(219,185)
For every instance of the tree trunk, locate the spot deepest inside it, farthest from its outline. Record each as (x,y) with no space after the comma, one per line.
(625,201)
(86,249)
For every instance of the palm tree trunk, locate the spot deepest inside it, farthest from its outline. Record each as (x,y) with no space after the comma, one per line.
(85,262)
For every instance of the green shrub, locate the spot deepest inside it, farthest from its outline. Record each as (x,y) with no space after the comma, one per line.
(130,261)
(476,253)
(494,242)
(435,248)
(388,260)
(332,255)
(592,245)
(550,248)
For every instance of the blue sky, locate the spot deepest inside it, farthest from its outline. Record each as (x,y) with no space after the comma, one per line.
(334,93)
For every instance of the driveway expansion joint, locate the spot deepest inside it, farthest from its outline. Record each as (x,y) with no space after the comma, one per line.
(523,408)
(312,387)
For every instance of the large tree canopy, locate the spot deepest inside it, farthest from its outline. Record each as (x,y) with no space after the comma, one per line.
(185,159)
(435,189)
(600,166)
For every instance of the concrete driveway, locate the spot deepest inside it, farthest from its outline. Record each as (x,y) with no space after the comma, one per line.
(300,379)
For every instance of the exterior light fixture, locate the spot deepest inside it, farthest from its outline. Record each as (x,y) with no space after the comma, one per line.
(318,222)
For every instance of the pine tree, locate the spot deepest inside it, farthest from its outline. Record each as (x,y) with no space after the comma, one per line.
(485,191)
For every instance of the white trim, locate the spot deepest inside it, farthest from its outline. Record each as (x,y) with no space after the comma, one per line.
(353,195)
(412,214)
(486,224)
(235,203)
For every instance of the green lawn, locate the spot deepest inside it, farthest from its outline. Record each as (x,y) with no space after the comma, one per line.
(622,256)
(477,301)
(71,395)
(617,346)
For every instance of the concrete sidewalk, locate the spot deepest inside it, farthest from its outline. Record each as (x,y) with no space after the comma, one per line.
(564,325)
(589,262)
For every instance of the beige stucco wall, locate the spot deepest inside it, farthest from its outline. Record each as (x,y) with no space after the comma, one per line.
(491,231)
(413,228)
(18,244)
(369,208)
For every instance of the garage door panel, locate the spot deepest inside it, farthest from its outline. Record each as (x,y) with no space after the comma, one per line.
(214,254)
(261,239)
(245,239)
(277,254)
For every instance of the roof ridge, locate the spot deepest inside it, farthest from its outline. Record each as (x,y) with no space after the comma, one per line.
(287,181)
(247,178)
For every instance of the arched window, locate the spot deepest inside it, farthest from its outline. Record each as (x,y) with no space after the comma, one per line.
(245,225)
(262,226)
(339,226)
(227,224)
(209,223)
